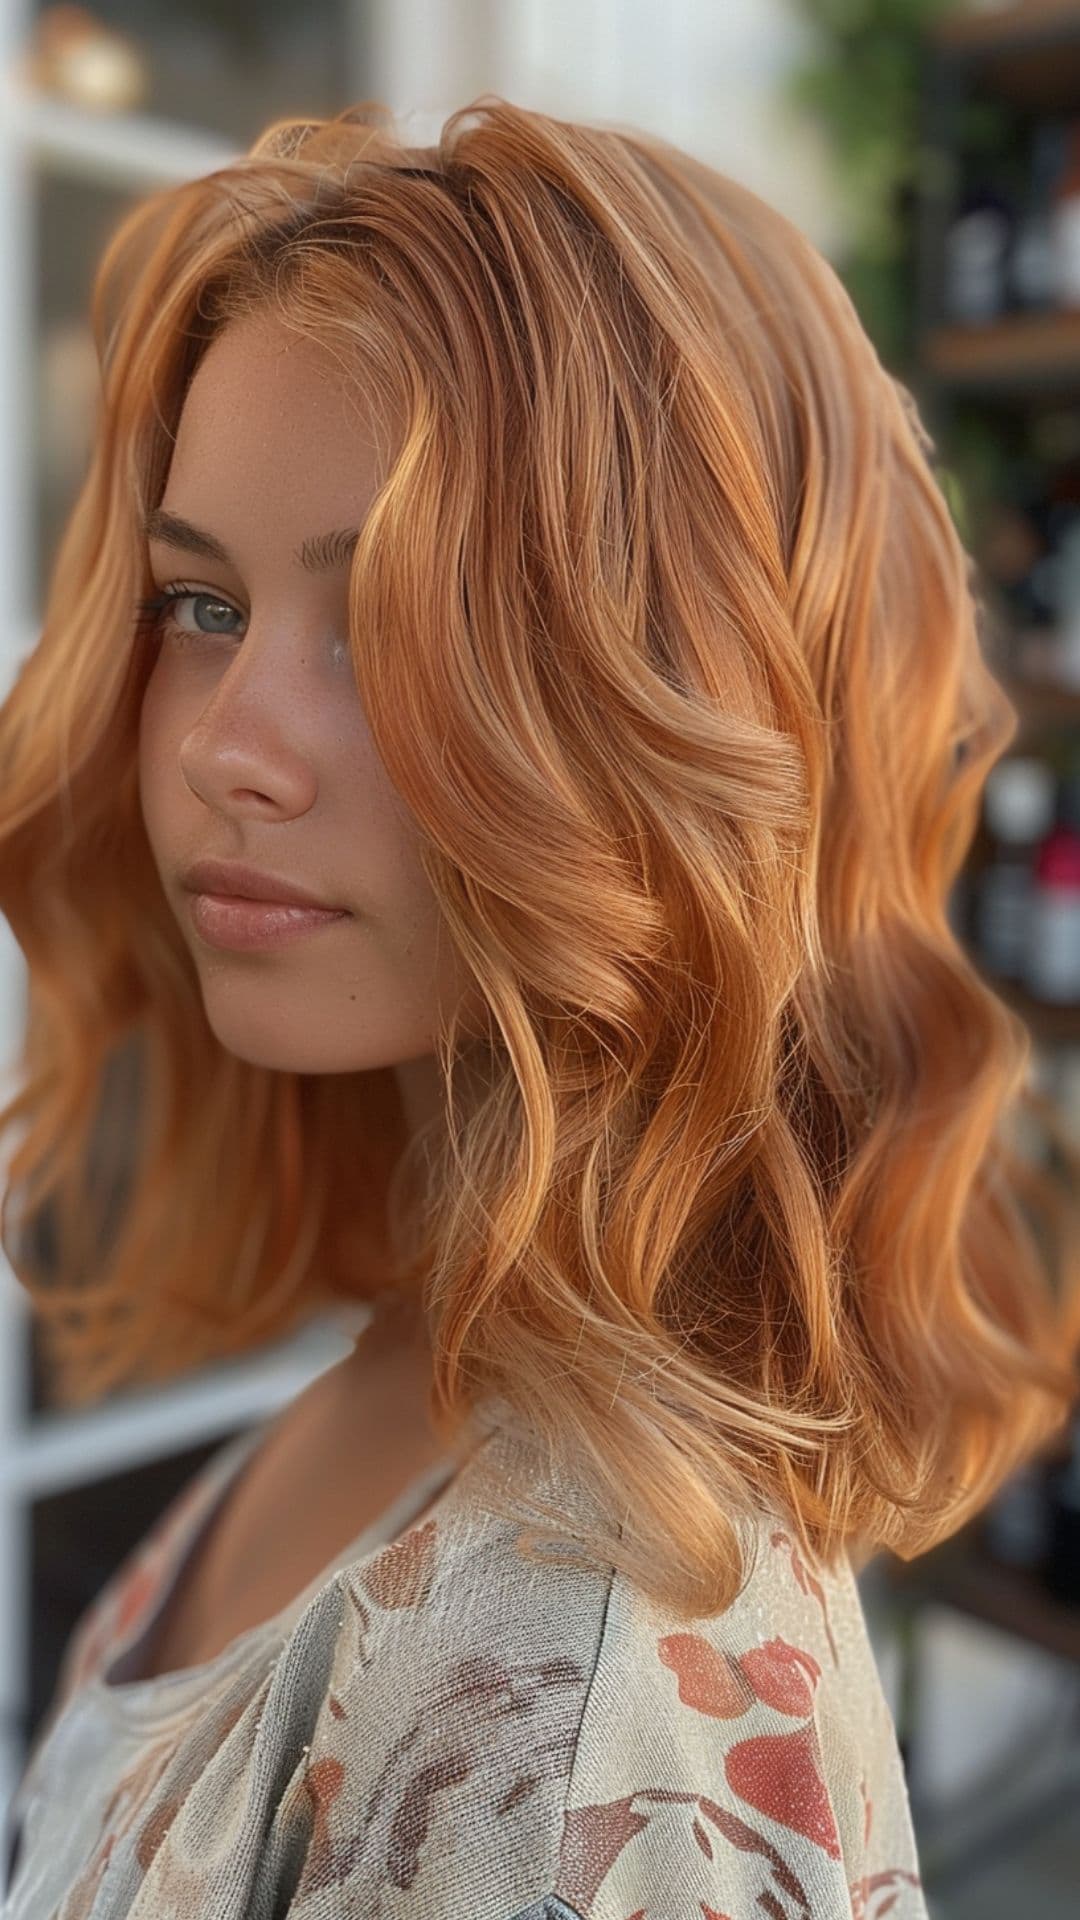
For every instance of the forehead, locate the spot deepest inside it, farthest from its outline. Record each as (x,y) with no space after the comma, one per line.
(274,431)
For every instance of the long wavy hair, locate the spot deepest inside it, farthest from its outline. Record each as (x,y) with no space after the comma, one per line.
(666,636)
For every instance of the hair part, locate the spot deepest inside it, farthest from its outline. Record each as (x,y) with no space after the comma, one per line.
(727,1201)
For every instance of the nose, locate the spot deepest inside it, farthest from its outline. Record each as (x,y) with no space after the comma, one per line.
(253,748)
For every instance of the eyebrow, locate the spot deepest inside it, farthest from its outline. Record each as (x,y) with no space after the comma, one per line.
(321,553)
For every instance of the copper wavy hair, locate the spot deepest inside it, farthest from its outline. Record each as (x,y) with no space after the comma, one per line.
(667,638)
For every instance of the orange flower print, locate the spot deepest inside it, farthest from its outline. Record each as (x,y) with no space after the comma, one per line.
(779,1774)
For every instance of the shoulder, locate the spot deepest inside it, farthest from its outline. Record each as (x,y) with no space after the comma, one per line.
(747,1761)
(502,1736)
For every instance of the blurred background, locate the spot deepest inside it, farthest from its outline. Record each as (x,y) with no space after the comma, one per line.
(932,151)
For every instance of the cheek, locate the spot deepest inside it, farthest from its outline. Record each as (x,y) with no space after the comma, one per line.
(438,972)
(151,706)
(156,754)
(457,992)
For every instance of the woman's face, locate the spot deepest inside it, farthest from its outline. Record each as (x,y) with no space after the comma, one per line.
(253,745)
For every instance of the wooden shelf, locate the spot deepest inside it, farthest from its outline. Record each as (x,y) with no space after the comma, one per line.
(1020,350)
(991,32)
(1026,55)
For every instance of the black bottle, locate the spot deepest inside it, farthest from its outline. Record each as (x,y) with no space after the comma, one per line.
(1061,1573)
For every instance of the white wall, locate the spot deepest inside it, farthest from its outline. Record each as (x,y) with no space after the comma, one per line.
(705,75)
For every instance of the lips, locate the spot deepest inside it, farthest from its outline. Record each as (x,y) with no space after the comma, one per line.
(253,925)
(236,882)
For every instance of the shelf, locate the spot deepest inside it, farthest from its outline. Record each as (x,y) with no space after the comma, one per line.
(1025,23)
(122,149)
(1019,351)
(1026,56)
(59,1450)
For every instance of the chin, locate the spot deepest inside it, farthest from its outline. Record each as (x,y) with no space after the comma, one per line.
(275,1046)
(304,1050)
(280,1060)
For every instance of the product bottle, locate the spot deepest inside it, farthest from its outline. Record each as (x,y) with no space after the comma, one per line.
(1032,269)
(1061,1573)
(1065,222)
(1066,596)
(976,251)
(1052,959)
(1018,811)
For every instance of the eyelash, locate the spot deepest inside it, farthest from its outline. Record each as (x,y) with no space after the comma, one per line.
(151,615)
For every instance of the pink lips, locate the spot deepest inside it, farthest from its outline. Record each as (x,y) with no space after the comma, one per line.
(228,920)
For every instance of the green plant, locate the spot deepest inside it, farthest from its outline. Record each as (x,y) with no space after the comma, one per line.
(865,87)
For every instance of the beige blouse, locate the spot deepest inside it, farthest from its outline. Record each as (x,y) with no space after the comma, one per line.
(437,1729)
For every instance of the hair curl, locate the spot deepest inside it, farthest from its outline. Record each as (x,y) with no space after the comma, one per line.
(666,636)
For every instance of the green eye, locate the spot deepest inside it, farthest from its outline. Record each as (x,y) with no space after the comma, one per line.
(152,616)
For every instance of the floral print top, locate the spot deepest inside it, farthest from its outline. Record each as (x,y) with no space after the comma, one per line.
(439,1729)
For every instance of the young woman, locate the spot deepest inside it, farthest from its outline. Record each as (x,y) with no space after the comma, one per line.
(512,836)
